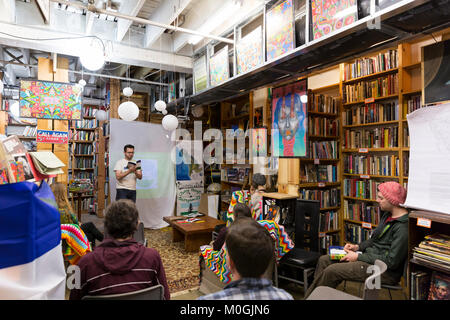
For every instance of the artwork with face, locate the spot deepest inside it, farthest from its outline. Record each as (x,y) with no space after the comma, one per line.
(289,125)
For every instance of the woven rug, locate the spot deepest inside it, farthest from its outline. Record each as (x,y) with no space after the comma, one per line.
(181,267)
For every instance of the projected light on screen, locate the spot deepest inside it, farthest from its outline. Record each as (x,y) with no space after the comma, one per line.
(149,175)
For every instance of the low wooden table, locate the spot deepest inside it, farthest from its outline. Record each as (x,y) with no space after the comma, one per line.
(195,234)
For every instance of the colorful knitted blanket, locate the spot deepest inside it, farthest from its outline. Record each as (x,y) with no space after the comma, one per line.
(242,196)
(77,242)
(216,260)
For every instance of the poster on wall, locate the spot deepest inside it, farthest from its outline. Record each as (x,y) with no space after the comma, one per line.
(48,136)
(331,15)
(50,100)
(436,66)
(279,29)
(199,70)
(249,51)
(259,142)
(289,121)
(172,92)
(219,67)
(189,161)
(188,196)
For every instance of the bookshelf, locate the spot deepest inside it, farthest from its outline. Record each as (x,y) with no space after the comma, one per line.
(101,159)
(320,177)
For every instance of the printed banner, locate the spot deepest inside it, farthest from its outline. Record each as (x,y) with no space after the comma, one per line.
(279,29)
(249,51)
(57,137)
(289,121)
(188,196)
(219,67)
(50,100)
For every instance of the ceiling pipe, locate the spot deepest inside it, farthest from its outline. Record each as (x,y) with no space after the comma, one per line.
(94,9)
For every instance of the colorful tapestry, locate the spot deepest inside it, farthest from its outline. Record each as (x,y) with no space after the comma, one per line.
(216,260)
(249,51)
(77,242)
(50,100)
(279,29)
(219,67)
(289,121)
(331,15)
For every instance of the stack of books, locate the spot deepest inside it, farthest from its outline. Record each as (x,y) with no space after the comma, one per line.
(434,250)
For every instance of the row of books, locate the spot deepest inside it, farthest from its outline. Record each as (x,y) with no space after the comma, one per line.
(323,103)
(366,66)
(86,124)
(84,163)
(386,165)
(83,148)
(371,113)
(362,211)
(87,205)
(434,250)
(413,103)
(406,136)
(355,233)
(380,137)
(27,131)
(329,220)
(323,149)
(81,175)
(319,173)
(320,126)
(234,174)
(89,111)
(329,240)
(406,164)
(361,188)
(328,198)
(380,87)
(83,136)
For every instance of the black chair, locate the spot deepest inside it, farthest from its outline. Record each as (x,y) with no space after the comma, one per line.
(139,234)
(153,293)
(301,261)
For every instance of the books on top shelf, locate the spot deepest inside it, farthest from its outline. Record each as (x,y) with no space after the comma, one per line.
(371,113)
(370,65)
(386,165)
(434,250)
(323,103)
(323,149)
(375,88)
(380,137)
(318,173)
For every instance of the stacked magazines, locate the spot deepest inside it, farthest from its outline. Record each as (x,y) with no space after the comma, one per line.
(434,250)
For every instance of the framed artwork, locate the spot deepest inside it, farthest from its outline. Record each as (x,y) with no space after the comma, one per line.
(289,121)
(199,71)
(330,15)
(439,286)
(259,142)
(50,100)
(249,51)
(280,29)
(436,70)
(219,67)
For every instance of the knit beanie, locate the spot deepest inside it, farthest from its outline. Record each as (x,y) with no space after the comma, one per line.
(393,192)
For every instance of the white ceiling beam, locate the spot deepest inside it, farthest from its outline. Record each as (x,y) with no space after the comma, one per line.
(8,10)
(115,52)
(130,8)
(89,22)
(44,8)
(166,13)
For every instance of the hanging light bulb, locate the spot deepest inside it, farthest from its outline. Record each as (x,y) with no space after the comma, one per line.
(127,92)
(160,105)
(82,82)
(170,122)
(93,57)
(128,111)
(101,115)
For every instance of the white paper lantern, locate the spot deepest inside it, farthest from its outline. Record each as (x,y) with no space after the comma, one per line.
(170,122)
(128,111)
(1,86)
(160,105)
(82,82)
(127,92)
(164,112)
(101,115)
(93,57)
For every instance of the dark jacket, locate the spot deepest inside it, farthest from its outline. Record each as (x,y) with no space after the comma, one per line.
(120,267)
(388,243)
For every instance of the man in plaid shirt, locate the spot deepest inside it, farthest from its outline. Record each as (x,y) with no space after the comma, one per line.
(250,250)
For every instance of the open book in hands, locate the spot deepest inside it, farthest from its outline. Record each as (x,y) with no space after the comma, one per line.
(336,252)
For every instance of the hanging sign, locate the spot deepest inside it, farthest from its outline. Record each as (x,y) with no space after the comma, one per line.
(57,137)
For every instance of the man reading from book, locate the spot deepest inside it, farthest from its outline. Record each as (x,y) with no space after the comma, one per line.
(388,242)
(127,171)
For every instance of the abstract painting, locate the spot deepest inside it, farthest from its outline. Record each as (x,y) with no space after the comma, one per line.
(289,121)
(219,67)
(259,142)
(249,51)
(331,15)
(199,70)
(279,29)
(50,100)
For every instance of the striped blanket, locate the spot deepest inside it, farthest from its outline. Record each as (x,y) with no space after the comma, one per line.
(216,260)
(77,242)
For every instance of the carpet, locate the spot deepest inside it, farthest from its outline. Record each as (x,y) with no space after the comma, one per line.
(182,268)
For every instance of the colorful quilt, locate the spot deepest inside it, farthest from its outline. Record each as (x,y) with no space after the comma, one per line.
(216,260)
(77,242)
(50,100)
(241,196)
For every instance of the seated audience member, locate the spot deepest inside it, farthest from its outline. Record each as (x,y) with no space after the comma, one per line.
(250,250)
(120,264)
(68,217)
(389,243)
(257,189)
(240,210)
